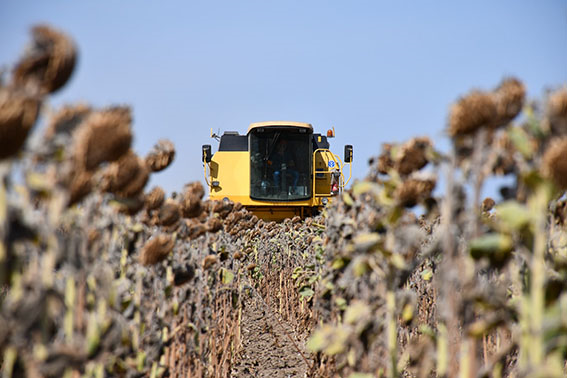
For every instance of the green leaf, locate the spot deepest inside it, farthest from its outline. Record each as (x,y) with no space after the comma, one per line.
(297,272)
(360,267)
(424,329)
(398,261)
(306,292)
(364,242)
(317,341)
(357,311)
(496,247)
(521,141)
(532,179)
(138,227)
(407,313)
(395,214)
(385,198)
(341,303)
(316,240)
(363,187)
(226,276)
(340,262)
(351,357)
(313,279)
(427,274)
(513,215)
(141,360)
(360,375)
(347,199)
(38,182)
(328,339)
(338,342)
(93,335)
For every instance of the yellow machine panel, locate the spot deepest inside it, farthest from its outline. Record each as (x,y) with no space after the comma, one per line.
(230,173)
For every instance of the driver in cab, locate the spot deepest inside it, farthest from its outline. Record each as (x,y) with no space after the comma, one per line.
(282,160)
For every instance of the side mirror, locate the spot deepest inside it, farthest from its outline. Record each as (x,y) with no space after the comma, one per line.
(207,153)
(348,153)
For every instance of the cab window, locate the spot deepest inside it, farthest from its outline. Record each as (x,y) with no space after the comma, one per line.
(280,161)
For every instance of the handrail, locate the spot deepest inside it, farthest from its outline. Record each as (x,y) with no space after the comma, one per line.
(344,184)
(342,177)
(349,173)
(338,163)
(205,164)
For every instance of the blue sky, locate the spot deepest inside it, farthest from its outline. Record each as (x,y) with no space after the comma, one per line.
(377,71)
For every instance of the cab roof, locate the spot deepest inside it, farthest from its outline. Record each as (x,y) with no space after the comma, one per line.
(279,124)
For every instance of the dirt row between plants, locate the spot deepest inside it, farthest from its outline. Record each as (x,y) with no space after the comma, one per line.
(270,346)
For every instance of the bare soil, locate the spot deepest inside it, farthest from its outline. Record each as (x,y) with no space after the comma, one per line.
(267,350)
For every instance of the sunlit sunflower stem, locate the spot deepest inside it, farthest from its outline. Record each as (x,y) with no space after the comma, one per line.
(539,205)
(392,333)
(442,350)
(3,251)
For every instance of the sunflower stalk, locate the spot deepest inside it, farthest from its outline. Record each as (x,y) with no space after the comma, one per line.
(4,274)
(70,311)
(392,333)
(539,205)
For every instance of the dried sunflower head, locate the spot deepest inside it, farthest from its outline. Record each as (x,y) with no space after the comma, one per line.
(161,156)
(196,189)
(487,204)
(138,183)
(191,201)
(183,275)
(67,119)
(214,225)
(209,261)
(414,190)
(156,249)
(557,112)
(413,155)
(80,185)
(154,199)
(104,136)
(560,212)
(119,174)
(509,96)
(195,228)
(126,177)
(475,110)
(385,161)
(132,205)
(224,208)
(554,164)
(18,114)
(169,213)
(49,63)
(503,149)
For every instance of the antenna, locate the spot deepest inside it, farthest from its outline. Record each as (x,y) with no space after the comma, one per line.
(215,136)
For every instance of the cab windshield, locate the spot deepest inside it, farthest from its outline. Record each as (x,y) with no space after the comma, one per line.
(280,161)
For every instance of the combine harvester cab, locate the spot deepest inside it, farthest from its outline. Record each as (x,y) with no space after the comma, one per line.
(277,170)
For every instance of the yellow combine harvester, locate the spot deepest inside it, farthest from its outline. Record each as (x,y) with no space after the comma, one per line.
(277,170)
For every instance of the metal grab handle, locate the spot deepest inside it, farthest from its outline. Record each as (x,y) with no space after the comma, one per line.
(338,163)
